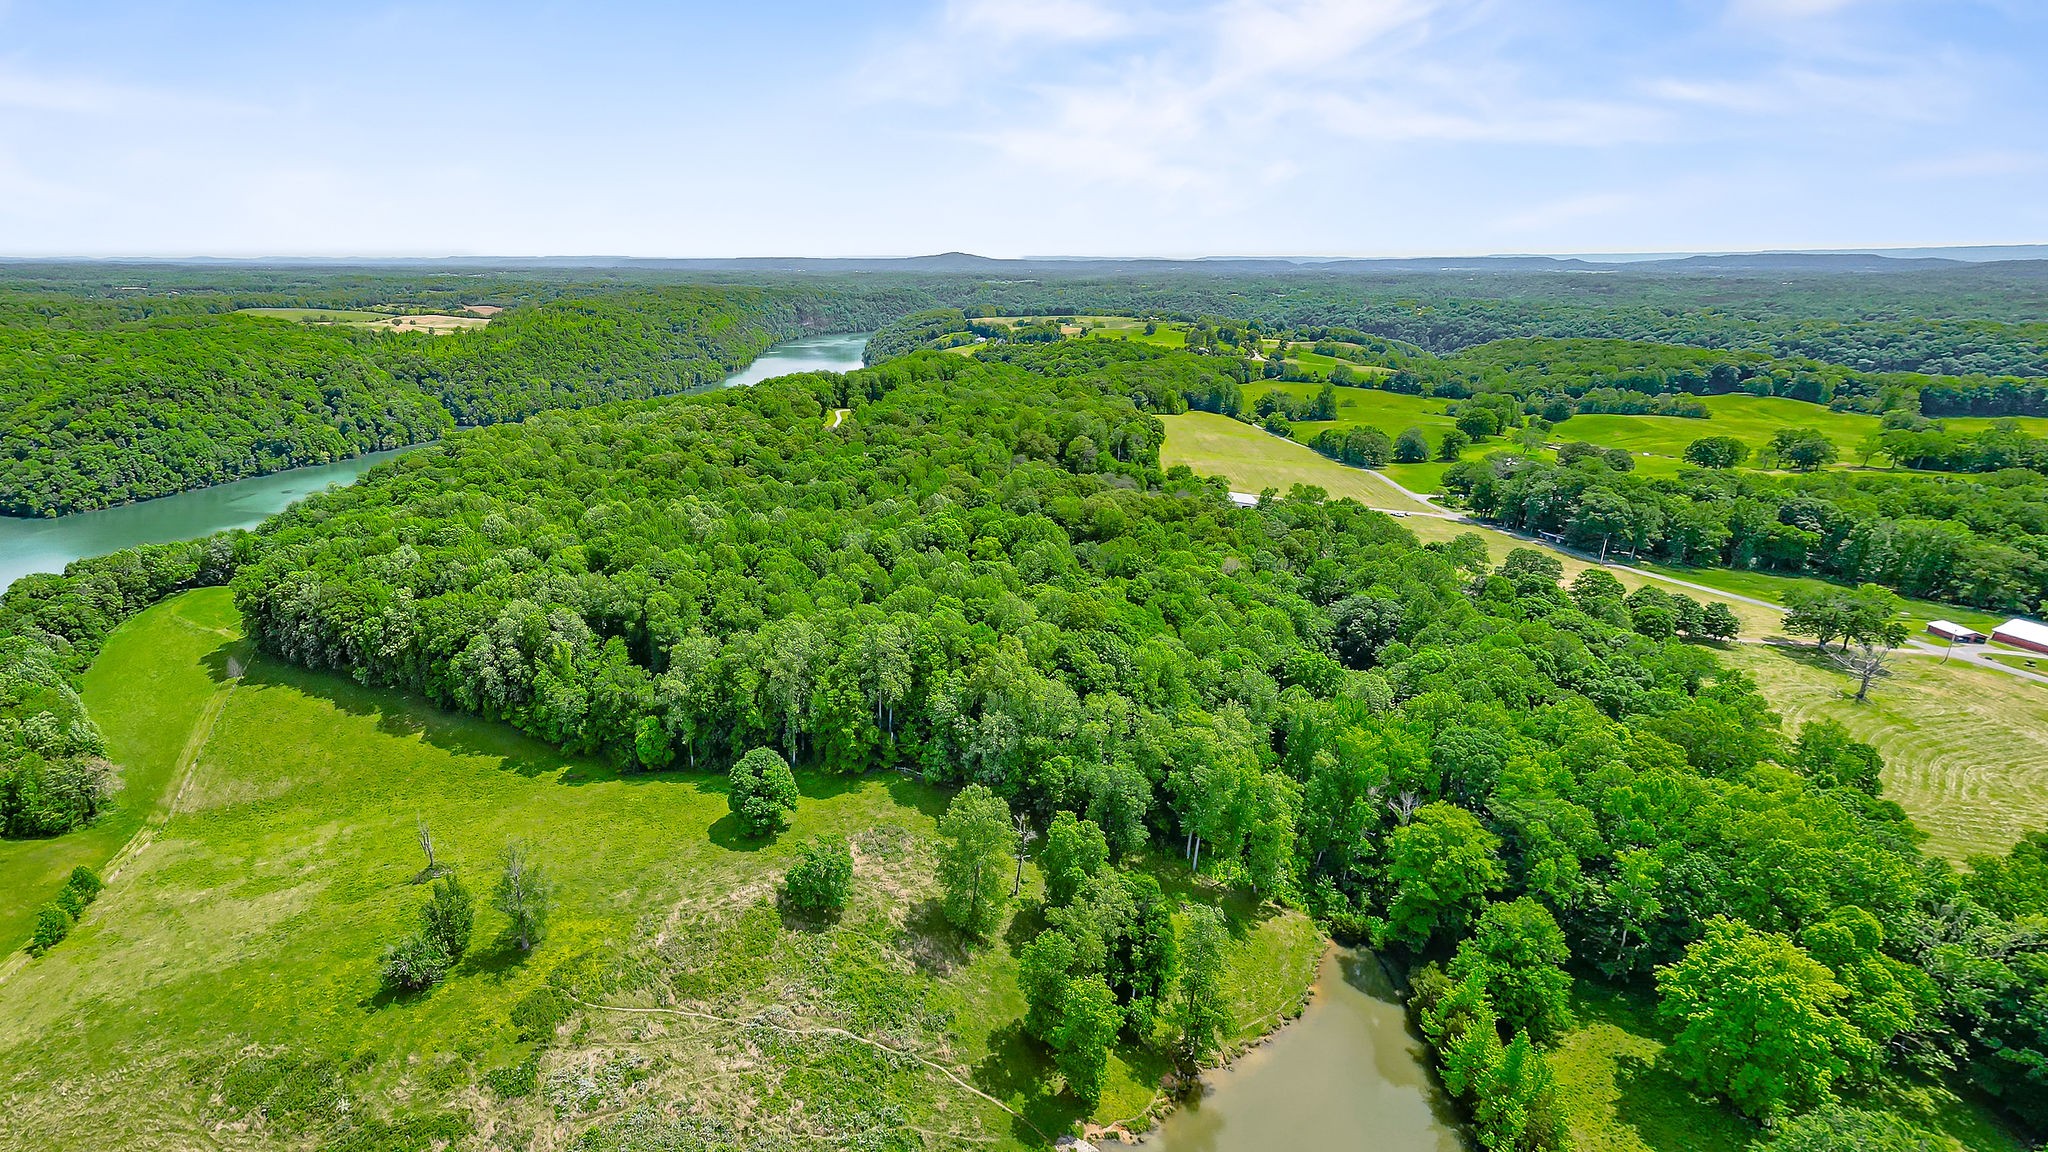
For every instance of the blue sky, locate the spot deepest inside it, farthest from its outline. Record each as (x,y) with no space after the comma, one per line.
(1054,127)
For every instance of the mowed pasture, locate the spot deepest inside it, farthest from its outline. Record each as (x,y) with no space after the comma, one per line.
(1965,748)
(1752,420)
(224,990)
(1253,459)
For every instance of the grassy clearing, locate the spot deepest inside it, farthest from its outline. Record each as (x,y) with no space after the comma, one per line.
(232,966)
(1619,1097)
(435,323)
(156,676)
(1965,748)
(317,315)
(1253,460)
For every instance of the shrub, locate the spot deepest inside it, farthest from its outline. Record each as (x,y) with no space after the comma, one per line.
(762,791)
(85,882)
(415,963)
(52,924)
(822,876)
(448,917)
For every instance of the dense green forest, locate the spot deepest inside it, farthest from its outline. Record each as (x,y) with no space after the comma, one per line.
(97,408)
(983,576)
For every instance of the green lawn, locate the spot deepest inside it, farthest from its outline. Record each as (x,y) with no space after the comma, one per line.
(159,671)
(1750,419)
(233,962)
(1965,748)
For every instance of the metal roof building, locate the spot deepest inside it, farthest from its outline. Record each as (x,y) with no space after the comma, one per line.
(2022,634)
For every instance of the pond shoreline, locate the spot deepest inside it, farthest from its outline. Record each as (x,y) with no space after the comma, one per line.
(1345,1071)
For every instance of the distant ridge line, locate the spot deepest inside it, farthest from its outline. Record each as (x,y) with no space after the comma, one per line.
(1891,260)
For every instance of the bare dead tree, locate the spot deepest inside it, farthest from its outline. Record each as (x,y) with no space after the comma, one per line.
(1024,837)
(1403,806)
(1866,660)
(433,867)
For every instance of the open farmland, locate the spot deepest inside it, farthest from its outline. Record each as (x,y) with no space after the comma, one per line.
(239,947)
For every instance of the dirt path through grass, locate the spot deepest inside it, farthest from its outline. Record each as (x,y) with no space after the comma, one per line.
(202,731)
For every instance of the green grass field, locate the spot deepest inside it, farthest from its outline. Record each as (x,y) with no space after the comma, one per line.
(1965,748)
(1253,459)
(156,676)
(318,315)
(231,965)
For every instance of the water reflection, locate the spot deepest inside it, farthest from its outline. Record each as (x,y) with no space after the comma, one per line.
(1347,1075)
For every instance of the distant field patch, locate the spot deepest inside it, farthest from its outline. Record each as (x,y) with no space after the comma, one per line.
(1253,459)
(317,315)
(435,323)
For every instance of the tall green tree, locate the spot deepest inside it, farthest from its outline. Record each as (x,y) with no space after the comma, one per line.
(1074,851)
(1758,1021)
(1089,1020)
(1519,952)
(1198,1014)
(974,850)
(1442,865)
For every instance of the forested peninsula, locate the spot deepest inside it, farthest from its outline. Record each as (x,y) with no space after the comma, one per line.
(97,409)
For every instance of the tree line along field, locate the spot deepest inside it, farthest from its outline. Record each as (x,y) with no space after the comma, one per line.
(1966,749)
(230,969)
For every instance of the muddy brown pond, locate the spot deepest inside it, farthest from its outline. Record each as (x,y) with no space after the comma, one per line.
(1347,1075)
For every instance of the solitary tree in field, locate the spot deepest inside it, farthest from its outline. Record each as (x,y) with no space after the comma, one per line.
(822,877)
(426,836)
(762,791)
(523,896)
(975,846)
(1865,660)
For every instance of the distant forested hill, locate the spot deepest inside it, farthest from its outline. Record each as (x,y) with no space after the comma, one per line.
(107,402)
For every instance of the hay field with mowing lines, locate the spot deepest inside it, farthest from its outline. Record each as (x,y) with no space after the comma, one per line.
(1965,748)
